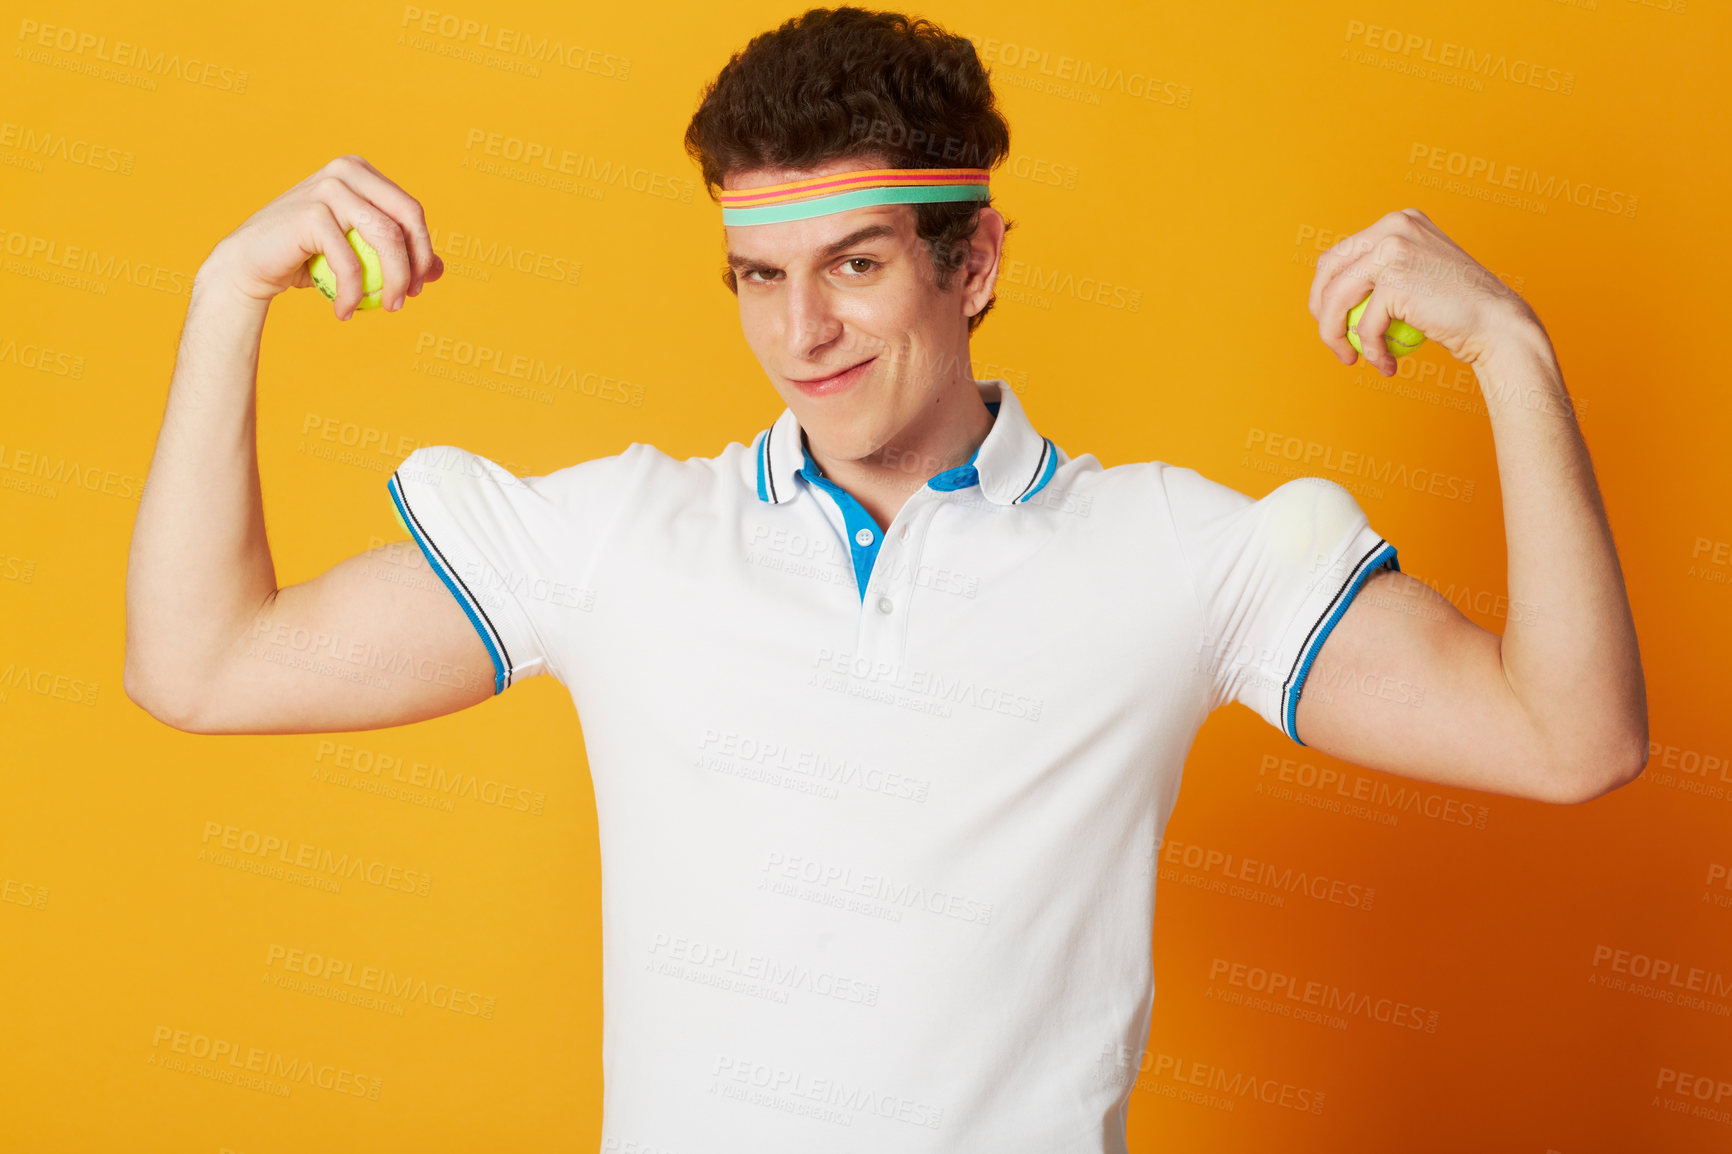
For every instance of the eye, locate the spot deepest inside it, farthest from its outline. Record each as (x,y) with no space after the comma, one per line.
(752,275)
(857,260)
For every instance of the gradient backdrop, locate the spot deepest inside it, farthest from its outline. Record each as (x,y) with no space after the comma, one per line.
(1510,975)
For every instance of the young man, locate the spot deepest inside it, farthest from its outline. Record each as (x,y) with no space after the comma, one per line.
(886,711)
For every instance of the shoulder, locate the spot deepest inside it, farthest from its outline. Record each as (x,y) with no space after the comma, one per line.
(641,472)
(1141,487)
(1192,496)
(1206,518)
(650,475)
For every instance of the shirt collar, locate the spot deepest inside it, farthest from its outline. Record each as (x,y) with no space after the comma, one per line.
(1013,463)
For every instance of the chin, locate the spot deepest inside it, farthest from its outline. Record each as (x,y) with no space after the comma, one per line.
(840,438)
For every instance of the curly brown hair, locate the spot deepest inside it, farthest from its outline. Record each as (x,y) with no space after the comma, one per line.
(887,89)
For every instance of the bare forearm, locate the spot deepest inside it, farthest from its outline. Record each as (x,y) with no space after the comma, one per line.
(1569,649)
(199,565)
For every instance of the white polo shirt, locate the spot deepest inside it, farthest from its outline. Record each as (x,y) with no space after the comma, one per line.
(879,810)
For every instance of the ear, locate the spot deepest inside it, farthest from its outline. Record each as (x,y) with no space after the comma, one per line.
(984,249)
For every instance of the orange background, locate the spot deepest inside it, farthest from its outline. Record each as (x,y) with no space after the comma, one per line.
(1253,138)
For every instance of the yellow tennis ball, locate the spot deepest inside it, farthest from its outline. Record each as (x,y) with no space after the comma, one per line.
(372,277)
(1400,339)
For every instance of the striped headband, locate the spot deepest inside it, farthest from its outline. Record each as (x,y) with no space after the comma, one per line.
(841,191)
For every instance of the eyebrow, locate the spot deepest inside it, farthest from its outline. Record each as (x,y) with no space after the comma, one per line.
(740,263)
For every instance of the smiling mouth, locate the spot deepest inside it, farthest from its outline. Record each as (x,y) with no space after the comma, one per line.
(836,379)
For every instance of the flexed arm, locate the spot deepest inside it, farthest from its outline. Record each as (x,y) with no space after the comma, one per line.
(1556,708)
(212,644)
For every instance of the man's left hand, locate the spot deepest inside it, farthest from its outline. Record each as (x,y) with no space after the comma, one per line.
(1415,274)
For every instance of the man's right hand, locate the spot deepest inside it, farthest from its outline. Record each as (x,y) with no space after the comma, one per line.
(269,252)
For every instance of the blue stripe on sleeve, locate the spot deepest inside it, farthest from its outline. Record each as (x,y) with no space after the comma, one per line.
(1378,558)
(437,563)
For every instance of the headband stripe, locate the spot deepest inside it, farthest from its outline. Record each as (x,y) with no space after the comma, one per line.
(869,178)
(858,198)
(757,196)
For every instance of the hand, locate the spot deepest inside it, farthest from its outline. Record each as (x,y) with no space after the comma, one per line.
(269,252)
(1416,274)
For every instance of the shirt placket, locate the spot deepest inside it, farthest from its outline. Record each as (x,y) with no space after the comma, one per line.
(882,634)
(890,561)
(884,565)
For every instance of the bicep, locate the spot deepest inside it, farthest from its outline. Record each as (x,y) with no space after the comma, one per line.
(374,641)
(1406,684)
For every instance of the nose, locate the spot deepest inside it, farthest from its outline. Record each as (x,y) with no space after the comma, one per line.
(812,321)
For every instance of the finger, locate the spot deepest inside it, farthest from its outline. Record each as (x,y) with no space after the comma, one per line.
(1347,289)
(328,238)
(378,229)
(1423,221)
(1320,279)
(1354,250)
(405,210)
(386,236)
(1373,322)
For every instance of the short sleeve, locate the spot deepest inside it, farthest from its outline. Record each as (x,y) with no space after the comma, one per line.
(514,551)
(1272,577)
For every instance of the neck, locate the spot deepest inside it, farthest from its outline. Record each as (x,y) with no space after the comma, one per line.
(952,426)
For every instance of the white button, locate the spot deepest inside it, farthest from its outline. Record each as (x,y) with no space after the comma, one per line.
(884,605)
(864,536)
